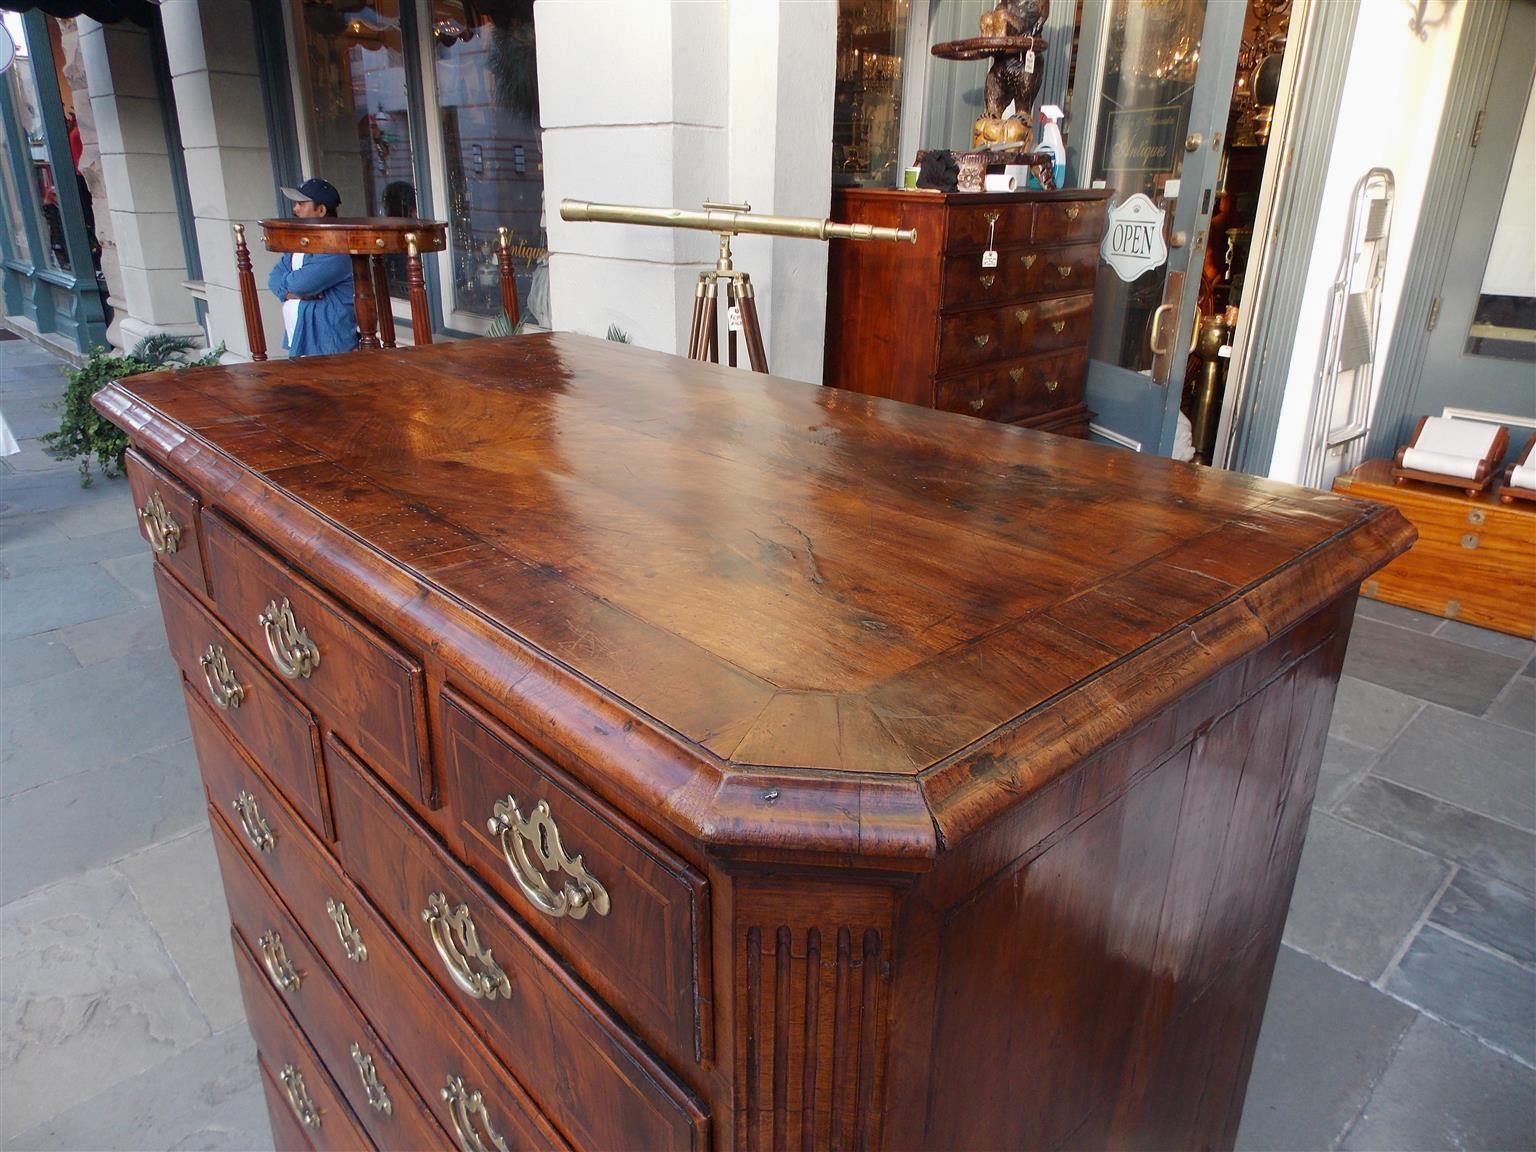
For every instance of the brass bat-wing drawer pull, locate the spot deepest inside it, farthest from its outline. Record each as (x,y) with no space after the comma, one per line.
(292,650)
(1058,326)
(580,892)
(981,340)
(464,1107)
(351,939)
(1073,211)
(378,1097)
(988,280)
(1063,270)
(298,1097)
(1029,259)
(257,830)
(457,942)
(285,977)
(159,525)
(1016,374)
(1052,385)
(223,686)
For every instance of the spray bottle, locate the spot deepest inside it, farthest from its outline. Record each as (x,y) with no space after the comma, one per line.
(1051,141)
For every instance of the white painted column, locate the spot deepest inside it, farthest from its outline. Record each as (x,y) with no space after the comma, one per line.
(142,254)
(671,104)
(212,49)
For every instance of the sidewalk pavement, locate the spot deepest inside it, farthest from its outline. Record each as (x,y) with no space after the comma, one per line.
(1403,1008)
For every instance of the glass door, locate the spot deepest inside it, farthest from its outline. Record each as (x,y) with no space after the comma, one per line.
(1150,106)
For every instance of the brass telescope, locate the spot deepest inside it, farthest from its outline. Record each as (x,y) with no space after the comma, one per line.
(728,220)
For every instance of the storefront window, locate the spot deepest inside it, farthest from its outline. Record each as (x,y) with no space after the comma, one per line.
(866,115)
(352,72)
(488,100)
(40,195)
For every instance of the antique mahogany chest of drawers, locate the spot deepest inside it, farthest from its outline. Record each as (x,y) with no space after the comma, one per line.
(609,751)
(935,324)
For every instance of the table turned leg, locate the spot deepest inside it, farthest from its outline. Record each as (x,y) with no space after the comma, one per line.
(382,302)
(362,295)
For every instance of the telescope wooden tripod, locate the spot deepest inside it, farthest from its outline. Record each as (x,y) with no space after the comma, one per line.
(741,304)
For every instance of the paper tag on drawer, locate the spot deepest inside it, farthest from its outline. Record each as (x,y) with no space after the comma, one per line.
(989,258)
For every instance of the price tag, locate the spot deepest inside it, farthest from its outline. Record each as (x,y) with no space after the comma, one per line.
(1224,352)
(733,318)
(1029,62)
(989,258)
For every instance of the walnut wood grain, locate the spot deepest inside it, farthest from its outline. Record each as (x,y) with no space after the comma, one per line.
(939,757)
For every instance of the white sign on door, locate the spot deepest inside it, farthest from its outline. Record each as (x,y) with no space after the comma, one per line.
(1133,242)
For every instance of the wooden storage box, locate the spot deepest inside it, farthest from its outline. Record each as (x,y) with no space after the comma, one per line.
(1475,559)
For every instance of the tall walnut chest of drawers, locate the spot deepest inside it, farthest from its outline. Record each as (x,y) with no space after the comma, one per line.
(608,751)
(934,324)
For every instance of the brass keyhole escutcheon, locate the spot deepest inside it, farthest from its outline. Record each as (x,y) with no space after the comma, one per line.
(1015,374)
(1022,315)
(988,280)
(378,1097)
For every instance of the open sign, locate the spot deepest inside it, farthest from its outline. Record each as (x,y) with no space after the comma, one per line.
(1133,242)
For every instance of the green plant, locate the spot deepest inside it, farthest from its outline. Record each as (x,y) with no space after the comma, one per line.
(618,334)
(82,430)
(503,326)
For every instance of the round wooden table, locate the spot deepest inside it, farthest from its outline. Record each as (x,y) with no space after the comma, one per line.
(366,239)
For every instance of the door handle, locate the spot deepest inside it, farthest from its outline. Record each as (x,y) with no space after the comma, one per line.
(1157,328)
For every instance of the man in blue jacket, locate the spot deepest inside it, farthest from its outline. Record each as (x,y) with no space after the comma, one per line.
(316,290)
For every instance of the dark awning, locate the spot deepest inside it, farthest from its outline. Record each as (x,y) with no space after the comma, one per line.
(102,11)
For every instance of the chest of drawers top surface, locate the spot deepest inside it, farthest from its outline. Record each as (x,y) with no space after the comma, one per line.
(750,577)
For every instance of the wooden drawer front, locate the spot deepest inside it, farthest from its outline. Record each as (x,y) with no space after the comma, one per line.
(971,339)
(556,1038)
(304,1091)
(169,519)
(1068,220)
(362,686)
(1014,391)
(966,282)
(276,731)
(639,938)
(1061,323)
(1060,271)
(368,1078)
(1008,225)
(417,1028)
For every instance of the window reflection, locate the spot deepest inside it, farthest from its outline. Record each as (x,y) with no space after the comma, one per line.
(488,98)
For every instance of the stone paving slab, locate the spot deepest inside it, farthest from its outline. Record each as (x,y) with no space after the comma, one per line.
(1470,987)
(90,998)
(1445,1090)
(1303,1094)
(1358,896)
(1473,763)
(1428,667)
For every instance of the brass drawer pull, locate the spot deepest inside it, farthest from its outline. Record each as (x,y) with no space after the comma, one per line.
(1029,259)
(257,830)
(1015,374)
(577,895)
(981,341)
(1073,211)
(1052,385)
(292,650)
(298,1097)
(1022,315)
(1063,270)
(351,939)
(988,280)
(159,525)
(378,1098)
(978,404)
(457,942)
(463,1107)
(285,977)
(226,690)
(1058,326)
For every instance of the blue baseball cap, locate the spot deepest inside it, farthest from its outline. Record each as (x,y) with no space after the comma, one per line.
(320,191)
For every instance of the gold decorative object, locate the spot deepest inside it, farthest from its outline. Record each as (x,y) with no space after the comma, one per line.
(159,525)
(257,830)
(285,977)
(1021,315)
(298,1097)
(226,690)
(378,1098)
(292,650)
(1028,259)
(581,890)
(1016,374)
(988,279)
(457,942)
(1058,326)
(351,940)
(981,340)
(1052,385)
(464,1106)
